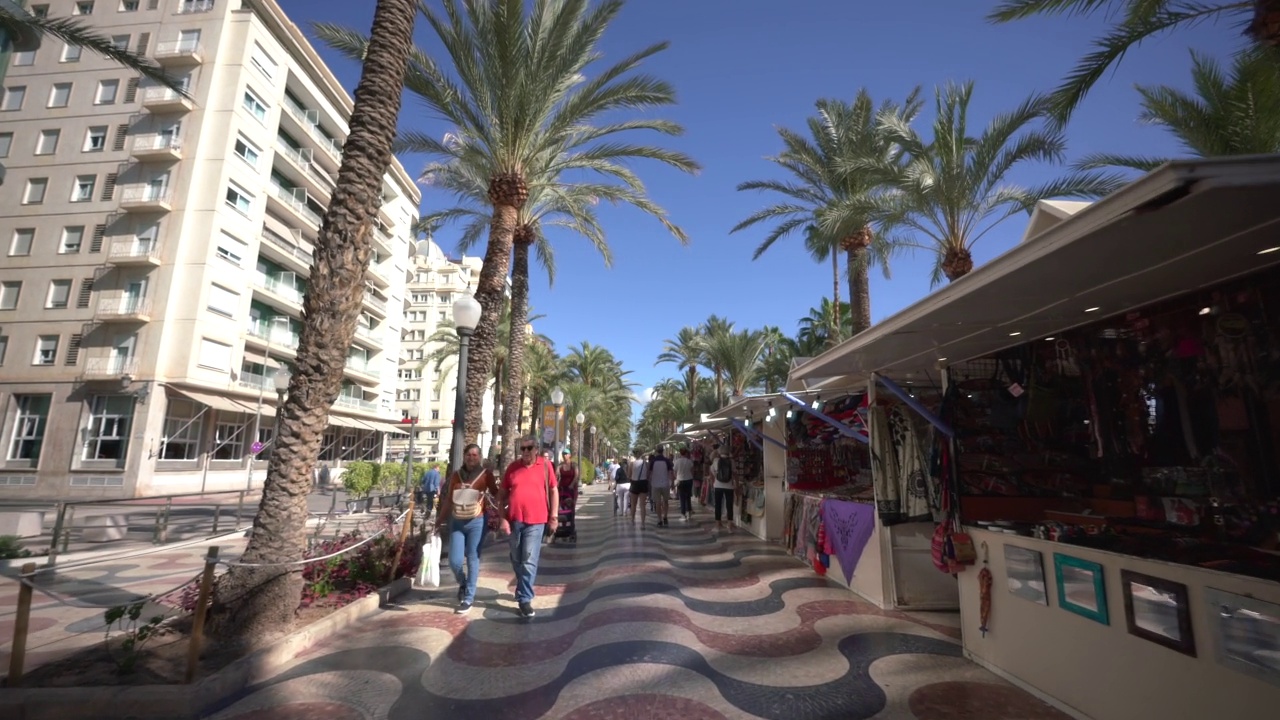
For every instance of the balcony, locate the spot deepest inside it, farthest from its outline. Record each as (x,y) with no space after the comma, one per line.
(317,181)
(195,6)
(157,146)
(378,276)
(109,367)
(291,200)
(356,403)
(279,289)
(145,198)
(179,53)
(364,369)
(272,335)
(286,252)
(123,309)
(134,254)
(164,100)
(375,303)
(383,239)
(309,122)
(368,337)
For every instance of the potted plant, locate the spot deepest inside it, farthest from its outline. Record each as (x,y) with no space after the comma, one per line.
(390,484)
(358,480)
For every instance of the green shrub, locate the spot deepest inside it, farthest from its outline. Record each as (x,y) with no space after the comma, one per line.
(359,478)
(11,548)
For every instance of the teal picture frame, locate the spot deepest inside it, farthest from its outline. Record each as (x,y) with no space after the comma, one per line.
(1082,587)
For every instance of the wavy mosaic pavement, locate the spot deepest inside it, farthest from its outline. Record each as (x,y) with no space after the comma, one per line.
(643,623)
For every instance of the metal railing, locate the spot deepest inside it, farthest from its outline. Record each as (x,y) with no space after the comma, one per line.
(348,401)
(123,307)
(278,338)
(286,196)
(161,95)
(143,194)
(110,366)
(178,48)
(294,251)
(276,287)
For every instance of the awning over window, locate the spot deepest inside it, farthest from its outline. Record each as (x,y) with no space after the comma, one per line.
(217,402)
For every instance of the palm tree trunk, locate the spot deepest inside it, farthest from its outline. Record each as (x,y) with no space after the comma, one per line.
(511,404)
(490,291)
(835,298)
(520,417)
(253,605)
(859,289)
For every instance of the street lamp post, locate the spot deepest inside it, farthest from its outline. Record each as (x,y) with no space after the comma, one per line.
(414,412)
(594,453)
(281,379)
(557,399)
(262,386)
(466,315)
(580,418)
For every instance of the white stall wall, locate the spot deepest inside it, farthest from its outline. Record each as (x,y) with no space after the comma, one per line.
(868,576)
(915,583)
(769,525)
(1101,671)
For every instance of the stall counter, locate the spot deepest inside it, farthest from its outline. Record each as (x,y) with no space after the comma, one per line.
(1102,672)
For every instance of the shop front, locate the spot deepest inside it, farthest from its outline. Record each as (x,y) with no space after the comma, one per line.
(1113,388)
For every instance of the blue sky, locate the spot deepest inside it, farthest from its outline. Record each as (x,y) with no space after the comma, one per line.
(743,67)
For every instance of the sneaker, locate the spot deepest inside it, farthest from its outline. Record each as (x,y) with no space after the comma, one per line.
(526,610)
(463,608)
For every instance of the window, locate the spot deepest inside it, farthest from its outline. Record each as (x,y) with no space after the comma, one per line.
(22,239)
(254,105)
(28,428)
(59,294)
(47,143)
(228,441)
(70,53)
(6,142)
(34,194)
(46,350)
(107,90)
(82,188)
(13,98)
(40,10)
(182,425)
(95,139)
(433,434)
(246,151)
(128,6)
(4,347)
(72,237)
(239,199)
(120,42)
(223,301)
(10,291)
(230,256)
(108,433)
(24,58)
(84,7)
(435,414)
(214,355)
(262,61)
(59,95)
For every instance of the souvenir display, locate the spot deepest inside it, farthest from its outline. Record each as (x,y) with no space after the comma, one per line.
(1154,433)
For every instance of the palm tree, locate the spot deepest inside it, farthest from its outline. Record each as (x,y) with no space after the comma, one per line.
(520,99)
(713,327)
(738,354)
(685,352)
(26,31)
(845,161)
(816,328)
(1237,114)
(955,191)
(543,371)
(1134,21)
(556,199)
(775,366)
(255,602)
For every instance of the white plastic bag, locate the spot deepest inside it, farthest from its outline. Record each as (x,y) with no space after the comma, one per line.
(429,570)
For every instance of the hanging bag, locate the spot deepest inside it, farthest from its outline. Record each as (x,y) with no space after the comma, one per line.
(429,570)
(468,503)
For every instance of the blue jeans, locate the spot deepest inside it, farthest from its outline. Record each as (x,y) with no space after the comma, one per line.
(526,544)
(465,536)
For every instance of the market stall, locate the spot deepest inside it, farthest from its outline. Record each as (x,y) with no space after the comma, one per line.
(1114,387)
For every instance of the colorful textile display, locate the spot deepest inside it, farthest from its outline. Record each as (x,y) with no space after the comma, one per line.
(848,527)
(901,467)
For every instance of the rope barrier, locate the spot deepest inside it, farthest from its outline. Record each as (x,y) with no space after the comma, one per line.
(118,558)
(308,561)
(88,606)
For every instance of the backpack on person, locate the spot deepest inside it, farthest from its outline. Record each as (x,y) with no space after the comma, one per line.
(620,475)
(724,470)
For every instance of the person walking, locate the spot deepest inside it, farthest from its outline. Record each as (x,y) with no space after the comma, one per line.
(639,486)
(684,483)
(660,475)
(722,471)
(430,487)
(621,489)
(526,500)
(469,492)
(322,477)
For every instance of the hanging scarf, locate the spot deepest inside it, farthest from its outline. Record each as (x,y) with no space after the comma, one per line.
(984,599)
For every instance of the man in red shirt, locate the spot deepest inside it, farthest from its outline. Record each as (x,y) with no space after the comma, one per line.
(527,495)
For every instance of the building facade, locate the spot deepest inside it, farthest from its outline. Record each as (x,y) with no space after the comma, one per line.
(157,249)
(426,389)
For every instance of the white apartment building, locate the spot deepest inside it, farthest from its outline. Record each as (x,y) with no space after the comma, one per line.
(424,391)
(154,252)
